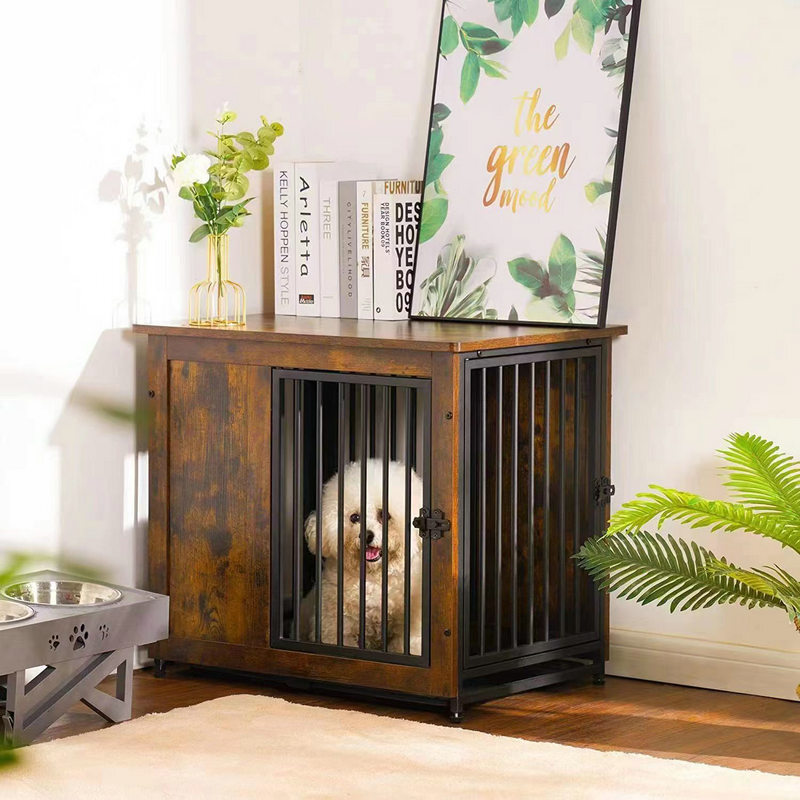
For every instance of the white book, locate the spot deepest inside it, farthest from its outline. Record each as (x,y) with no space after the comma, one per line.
(396,217)
(285,269)
(348,250)
(307,237)
(329,247)
(364,191)
(331,178)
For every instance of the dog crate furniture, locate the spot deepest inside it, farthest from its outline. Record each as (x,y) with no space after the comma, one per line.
(287,461)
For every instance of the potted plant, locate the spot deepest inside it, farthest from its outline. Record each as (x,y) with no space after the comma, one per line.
(215,182)
(649,567)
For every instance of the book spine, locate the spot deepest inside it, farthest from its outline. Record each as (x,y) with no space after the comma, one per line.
(306,200)
(285,268)
(329,247)
(364,233)
(396,221)
(348,285)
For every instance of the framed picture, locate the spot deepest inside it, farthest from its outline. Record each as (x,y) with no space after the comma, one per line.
(524,163)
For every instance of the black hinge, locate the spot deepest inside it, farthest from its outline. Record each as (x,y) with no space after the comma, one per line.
(431,523)
(604,490)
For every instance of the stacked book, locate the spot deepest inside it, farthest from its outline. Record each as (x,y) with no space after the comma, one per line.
(344,243)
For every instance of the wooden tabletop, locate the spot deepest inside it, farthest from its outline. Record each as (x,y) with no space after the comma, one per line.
(456,337)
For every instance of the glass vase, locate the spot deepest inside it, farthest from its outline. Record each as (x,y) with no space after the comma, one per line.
(217,302)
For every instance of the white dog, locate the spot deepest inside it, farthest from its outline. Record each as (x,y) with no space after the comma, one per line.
(374,556)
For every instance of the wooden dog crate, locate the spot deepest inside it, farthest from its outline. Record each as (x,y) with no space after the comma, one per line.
(261,437)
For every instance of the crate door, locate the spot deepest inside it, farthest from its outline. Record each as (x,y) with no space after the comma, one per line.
(533,447)
(350,573)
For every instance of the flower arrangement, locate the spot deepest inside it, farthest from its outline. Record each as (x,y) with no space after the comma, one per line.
(215,182)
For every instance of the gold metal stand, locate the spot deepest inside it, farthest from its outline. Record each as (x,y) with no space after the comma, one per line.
(217,302)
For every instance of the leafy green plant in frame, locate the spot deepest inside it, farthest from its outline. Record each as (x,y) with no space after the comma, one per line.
(435,205)
(552,287)
(458,287)
(588,17)
(649,567)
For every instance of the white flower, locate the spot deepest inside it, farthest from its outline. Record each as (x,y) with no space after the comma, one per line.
(193,169)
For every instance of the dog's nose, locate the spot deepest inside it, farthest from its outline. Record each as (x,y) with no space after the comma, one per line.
(370,537)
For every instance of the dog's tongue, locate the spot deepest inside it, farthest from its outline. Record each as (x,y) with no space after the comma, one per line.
(372,553)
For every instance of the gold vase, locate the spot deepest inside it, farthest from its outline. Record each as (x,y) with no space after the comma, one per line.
(217,302)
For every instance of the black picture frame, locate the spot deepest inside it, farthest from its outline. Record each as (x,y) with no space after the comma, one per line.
(633,24)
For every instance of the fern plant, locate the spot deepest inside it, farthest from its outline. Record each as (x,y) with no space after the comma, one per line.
(649,567)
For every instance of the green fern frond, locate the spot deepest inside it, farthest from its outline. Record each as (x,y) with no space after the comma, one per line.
(697,512)
(651,568)
(763,477)
(772,581)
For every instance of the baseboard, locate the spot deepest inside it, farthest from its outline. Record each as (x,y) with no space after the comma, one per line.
(711,665)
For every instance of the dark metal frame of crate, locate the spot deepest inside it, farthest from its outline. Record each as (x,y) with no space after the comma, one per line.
(344,382)
(548,660)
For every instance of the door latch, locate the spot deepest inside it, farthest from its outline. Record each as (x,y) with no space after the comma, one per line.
(604,490)
(431,524)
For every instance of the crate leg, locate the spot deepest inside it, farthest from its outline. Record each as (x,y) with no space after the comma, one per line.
(599,675)
(456,710)
(159,668)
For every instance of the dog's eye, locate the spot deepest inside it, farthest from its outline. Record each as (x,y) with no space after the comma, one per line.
(355,518)
(380,516)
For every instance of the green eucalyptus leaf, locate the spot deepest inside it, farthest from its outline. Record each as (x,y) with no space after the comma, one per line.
(516,18)
(565,304)
(470,73)
(244,138)
(583,32)
(493,69)
(596,189)
(552,7)
(449,40)
(562,265)
(502,9)
(199,233)
(482,40)
(258,155)
(435,142)
(562,43)
(528,272)
(530,10)
(434,213)
(186,193)
(440,112)
(266,134)
(594,11)
(436,167)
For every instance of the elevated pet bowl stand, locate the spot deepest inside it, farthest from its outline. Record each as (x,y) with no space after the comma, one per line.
(80,640)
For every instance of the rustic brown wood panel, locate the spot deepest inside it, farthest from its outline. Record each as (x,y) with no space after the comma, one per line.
(158,462)
(445,427)
(219,502)
(456,337)
(294,355)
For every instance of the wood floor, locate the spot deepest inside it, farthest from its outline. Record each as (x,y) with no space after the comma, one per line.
(668,721)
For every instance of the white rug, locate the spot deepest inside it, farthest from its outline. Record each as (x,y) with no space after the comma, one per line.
(260,747)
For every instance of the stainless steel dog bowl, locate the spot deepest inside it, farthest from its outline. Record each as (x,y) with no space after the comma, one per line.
(14,612)
(62,593)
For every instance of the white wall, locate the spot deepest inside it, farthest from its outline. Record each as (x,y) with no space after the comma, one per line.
(705,273)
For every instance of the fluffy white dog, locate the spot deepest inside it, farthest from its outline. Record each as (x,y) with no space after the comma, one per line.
(374,556)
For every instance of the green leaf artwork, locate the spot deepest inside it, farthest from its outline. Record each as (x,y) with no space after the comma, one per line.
(449,40)
(458,286)
(552,289)
(470,73)
(214,181)
(512,159)
(434,213)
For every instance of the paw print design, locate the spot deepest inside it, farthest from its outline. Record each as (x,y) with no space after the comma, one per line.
(103,631)
(78,637)
(54,642)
